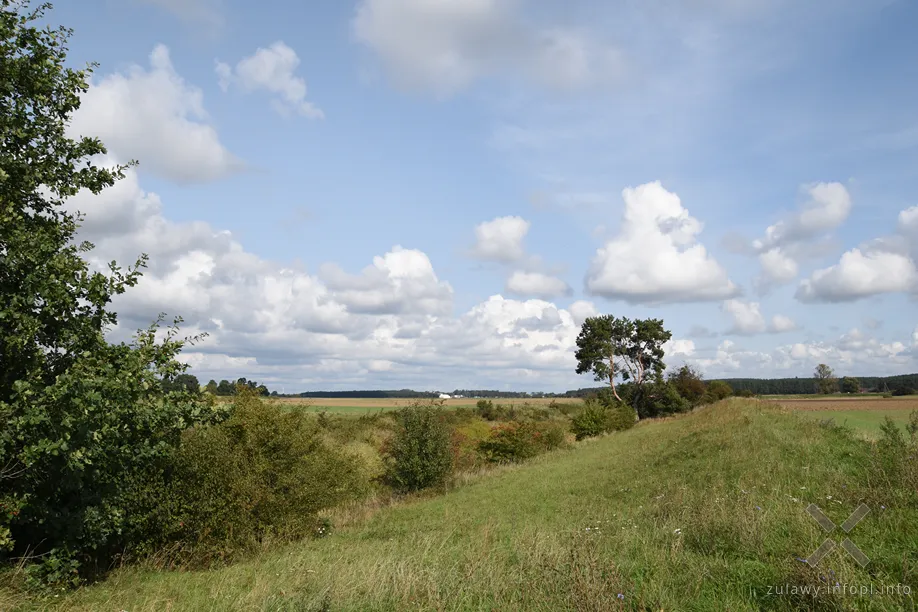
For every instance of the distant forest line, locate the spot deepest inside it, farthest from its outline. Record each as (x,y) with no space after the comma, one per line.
(758,386)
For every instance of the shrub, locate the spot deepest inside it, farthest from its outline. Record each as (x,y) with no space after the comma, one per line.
(745,393)
(600,416)
(688,383)
(487,411)
(263,472)
(719,390)
(420,454)
(902,391)
(79,447)
(466,438)
(516,441)
(660,398)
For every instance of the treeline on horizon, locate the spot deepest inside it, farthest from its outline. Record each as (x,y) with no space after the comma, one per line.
(411,394)
(801,386)
(758,386)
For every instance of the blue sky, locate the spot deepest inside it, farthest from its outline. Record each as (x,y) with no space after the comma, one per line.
(433,194)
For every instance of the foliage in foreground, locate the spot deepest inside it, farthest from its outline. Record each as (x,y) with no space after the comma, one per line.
(261,473)
(79,419)
(720,493)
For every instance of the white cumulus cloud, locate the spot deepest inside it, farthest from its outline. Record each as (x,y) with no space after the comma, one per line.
(390,325)
(536,284)
(746,317)
(272,69)
(501,239)
(402,281)
(884,265)
(677,347)
(155,116)
(788,241)
(656,257)
(581,310)
(860,274)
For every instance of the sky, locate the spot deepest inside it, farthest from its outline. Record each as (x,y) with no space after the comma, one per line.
(433,194)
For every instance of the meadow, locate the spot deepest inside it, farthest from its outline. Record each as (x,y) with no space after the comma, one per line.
(865,414)
(358,406)
(700,511)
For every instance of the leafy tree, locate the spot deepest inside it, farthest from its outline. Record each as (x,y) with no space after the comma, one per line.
(79,418)
(689,384)
(610,347)
(183,382)
(211,387)
(850,385)
(825,379)
(226,388)
(719,390)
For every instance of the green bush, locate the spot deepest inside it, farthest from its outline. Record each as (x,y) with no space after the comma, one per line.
(263,472)
(517,441)
(655,399)
(466,437)
(420,453)
(490,411)
(688,383)
(599,415)
(718,390)
(81,445)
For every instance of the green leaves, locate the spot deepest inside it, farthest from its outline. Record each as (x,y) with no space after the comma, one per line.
(612,347)
(79,418)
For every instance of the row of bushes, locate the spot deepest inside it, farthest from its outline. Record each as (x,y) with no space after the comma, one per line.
(257,472)
(532,430)
(224,489)
(429,444)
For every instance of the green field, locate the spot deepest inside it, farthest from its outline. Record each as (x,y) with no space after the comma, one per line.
(867,421)
(360,406)
(699,512)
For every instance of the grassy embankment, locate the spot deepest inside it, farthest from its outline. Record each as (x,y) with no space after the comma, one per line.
(698,512)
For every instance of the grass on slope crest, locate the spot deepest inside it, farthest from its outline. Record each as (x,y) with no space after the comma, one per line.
(704,511)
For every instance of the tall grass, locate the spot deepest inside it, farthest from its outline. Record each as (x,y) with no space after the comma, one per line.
(703,511)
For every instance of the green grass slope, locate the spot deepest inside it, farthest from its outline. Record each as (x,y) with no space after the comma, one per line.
(700,512)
